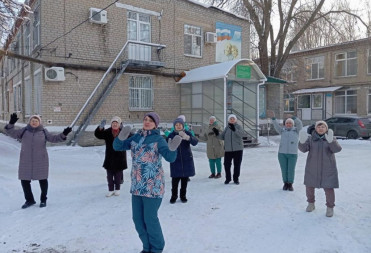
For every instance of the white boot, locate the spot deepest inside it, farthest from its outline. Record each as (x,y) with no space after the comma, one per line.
(110,193)
(310,207)
(117,193)
(330,212)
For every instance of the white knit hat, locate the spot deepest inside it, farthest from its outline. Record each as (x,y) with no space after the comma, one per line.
(36,117)
(290,120)
(321,122)
(212,117)
(117,119)
(232,116)
(182,117)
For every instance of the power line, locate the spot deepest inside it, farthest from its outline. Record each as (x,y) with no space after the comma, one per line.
(76,26)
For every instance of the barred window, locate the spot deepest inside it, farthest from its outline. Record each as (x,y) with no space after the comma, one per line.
(140,93)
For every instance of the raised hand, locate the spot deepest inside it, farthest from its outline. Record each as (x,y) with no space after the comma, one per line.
(303,136)
(102,124)
(13,118)
(67,130)
(216,132)
(125,131)
(329,136)
(232,127)
(174,143)
(184,135)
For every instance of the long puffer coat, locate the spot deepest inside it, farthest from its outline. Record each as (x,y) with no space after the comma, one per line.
(34,159)
(113,160)
(320,169)
(214,146)
(183,166)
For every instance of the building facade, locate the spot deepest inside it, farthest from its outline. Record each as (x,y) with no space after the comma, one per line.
(77,41)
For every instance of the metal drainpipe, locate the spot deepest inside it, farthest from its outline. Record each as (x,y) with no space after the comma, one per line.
(257,110)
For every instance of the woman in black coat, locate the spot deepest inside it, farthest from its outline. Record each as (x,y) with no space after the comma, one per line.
(183,167)
(114,161)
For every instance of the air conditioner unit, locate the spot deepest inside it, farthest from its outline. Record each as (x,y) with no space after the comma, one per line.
(54,74)
(210,37)
(97,16)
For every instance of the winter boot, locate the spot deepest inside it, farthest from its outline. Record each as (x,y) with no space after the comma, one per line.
(43,204)
(212,176)
(183,197)
(110,193)
(330,212)
(289,187)
(227,181)
(218,175)
(285,187)
(28,204)
(173,199)
(310,207)
(116,193)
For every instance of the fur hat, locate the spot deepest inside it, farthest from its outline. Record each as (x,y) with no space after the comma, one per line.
(117,119)
(321,122)
(232,116)
(178,120)
(154,116)
(183,118)
(35,117)
(290,120)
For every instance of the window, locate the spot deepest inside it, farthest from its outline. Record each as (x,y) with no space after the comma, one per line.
(140,93)
(38,92)
(346,102)
(369,62)
(303,101)
(28,96)
(139,29)
(346,64)
(369,101)
(192,40)
(27,38)
(36,27)
(317,101)
(315,68)
(17,91)
(197,95)
(288,102)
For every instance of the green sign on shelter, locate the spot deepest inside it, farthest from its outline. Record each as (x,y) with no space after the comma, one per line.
(243,71)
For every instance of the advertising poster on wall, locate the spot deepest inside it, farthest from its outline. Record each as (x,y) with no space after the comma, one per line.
(228,46)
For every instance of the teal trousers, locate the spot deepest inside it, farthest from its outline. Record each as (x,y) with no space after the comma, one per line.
(218,163)
(287,163)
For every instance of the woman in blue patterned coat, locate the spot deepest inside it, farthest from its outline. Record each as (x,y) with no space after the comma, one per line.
(147,177)
(183,167)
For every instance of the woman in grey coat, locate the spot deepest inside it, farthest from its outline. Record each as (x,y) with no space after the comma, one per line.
(214,147)
(288,150)
(320,169)
(233,146)
(33,160)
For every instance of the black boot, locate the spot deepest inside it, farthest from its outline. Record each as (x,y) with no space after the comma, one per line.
(183,197)
(28,204)
(212,176)
(285,187)
(218,175)
(174,195)
(173,199)
(290,188)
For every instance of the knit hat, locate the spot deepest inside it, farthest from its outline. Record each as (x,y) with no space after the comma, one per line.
(232,116)
(117,119)
(212,117)
(36,117)
(290,120)
(178,120)
(154,116)
(321,122)
(183,118)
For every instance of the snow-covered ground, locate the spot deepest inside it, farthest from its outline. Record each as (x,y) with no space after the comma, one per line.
(255,216)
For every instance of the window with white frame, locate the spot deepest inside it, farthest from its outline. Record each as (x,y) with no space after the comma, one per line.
(17,91)
(288,102)
(140,93)
(27,38)
(28,96)
(192,40)
(36,27)
(38,92)
(317,101)
(139,29)
(369,62)
(304,101)
(346,102)
(315,67)
(346,64)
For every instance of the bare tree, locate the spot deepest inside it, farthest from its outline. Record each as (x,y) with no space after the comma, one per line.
(9,14)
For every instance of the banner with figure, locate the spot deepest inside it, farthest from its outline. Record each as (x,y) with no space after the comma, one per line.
(228,46)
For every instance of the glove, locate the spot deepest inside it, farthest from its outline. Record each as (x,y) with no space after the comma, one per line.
(13,118)
(303,136)
(125,131)
(174,143)
(67,130)
(232,127)
(102,124)
(329,136)
(184,135)
(216,132)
